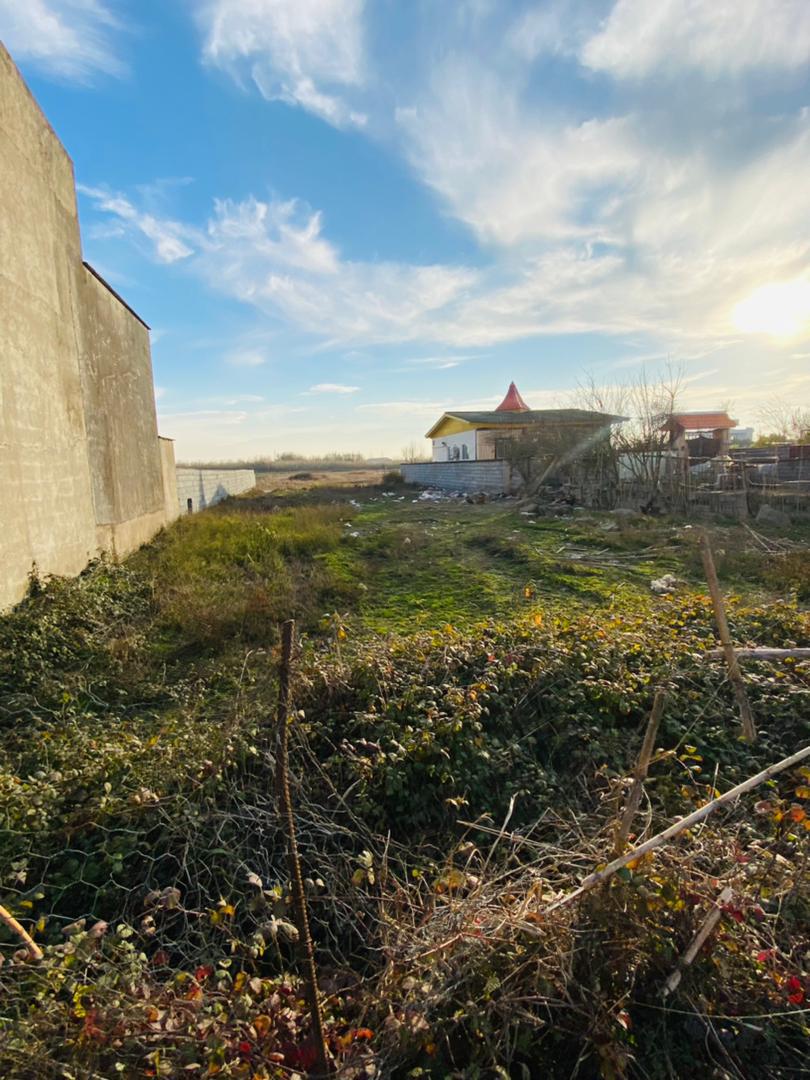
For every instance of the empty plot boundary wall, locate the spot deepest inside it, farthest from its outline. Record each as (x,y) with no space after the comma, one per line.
(200,488)
(494,477)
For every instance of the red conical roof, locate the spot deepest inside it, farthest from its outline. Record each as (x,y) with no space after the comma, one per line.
(513,402)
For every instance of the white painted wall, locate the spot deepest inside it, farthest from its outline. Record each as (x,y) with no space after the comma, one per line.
(445,447)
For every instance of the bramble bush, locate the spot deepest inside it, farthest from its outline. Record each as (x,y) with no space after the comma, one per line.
(140,844)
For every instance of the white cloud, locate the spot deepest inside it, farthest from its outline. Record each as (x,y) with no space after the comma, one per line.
(280,234)
(332,388)
(67,39)
(169,239)
(257,255)
(304,52)
(249,358)
(513,174)
(719,37)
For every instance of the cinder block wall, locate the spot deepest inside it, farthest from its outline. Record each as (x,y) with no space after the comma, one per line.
(207,487)
(80,465)
(494,477)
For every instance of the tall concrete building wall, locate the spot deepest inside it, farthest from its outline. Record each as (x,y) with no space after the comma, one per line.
(80,465)
(119,409)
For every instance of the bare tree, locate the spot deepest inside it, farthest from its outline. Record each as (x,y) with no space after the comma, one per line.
(784,421)
(638,449)
(414,452)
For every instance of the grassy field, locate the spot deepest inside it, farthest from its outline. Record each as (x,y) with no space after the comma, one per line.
(459,664)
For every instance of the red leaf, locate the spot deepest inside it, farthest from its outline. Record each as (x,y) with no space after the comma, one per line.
(795,990)
(245,1047)
(203,972)
(765,955)
(362,1033)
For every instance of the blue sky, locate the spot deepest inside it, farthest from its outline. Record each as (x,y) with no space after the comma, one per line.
(342,216)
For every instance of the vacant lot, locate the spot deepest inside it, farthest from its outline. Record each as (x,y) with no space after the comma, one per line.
(473,684)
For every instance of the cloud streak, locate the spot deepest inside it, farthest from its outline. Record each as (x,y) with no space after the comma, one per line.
(307,53)
(69,40)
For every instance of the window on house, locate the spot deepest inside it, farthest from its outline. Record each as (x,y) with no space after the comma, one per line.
(190,506)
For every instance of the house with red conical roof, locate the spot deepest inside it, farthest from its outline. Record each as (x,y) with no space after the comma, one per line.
(461,435)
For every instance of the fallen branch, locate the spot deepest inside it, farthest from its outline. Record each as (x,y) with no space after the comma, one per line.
(762,653)
(711,920)
(34,951)
(640,772)
(654,842)
(749,731)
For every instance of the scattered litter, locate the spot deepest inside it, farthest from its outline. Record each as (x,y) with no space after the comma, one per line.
(666,584)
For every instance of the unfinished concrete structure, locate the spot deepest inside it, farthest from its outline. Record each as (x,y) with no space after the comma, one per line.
(81,467)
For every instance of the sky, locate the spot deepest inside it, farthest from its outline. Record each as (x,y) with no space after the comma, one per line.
(342,217)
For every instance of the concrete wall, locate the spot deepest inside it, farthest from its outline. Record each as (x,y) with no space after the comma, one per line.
(79,460)
(494,477)
(119,409)
(169,472)
(207,487)
(45,490)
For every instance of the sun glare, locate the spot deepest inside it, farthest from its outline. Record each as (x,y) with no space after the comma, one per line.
(781,309)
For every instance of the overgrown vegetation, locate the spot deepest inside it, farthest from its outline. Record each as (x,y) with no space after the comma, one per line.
(140,844)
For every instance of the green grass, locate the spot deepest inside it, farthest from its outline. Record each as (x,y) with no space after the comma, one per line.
(518,661)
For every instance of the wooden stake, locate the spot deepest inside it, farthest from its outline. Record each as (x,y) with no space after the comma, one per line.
(654,842)
(711,920)
(640,773)
(749,731)
(288,818)
(34,950)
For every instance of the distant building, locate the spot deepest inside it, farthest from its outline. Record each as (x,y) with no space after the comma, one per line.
(741,437)
(479,451)
(700,435)
(459,435)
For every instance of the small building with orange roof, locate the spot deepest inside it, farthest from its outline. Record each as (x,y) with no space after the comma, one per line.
(699,436)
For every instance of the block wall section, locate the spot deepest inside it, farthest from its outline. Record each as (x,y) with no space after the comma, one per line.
(169,475)
(119,409)
(207,487)
(493,477)
(45,488)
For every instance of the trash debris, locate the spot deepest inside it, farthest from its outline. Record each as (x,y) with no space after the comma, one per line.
(663,585)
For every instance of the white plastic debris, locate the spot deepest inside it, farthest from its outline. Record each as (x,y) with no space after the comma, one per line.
(666,584)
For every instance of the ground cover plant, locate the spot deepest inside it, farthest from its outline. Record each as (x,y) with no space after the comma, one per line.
(472,689)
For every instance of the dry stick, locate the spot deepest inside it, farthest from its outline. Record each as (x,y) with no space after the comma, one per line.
(711,920)
(34,951)
(640,772)
(691,819)
(763,653)
(286,810)
(749,731)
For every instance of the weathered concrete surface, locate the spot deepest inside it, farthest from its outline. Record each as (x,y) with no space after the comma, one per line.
(207,487)
(45,490)
(119,409)
(80,466)
(169,471)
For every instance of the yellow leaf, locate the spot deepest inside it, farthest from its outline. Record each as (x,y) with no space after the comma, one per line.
(803,792)
(537,619)
(450,880)
(261,1025)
